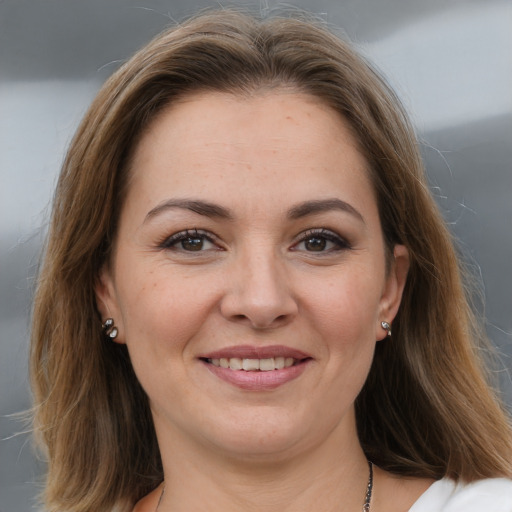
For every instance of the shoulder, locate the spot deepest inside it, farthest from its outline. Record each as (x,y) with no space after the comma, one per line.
(150,502)
(482,496)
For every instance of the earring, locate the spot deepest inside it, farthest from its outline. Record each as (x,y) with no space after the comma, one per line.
(109,328)
(385,325)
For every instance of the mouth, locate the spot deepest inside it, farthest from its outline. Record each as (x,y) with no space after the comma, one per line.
(254,365)
(257,368)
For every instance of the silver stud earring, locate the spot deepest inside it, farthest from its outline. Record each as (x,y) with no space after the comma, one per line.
(109,328)
(385,325)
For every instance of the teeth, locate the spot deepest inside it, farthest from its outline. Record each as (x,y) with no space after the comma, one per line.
(252,365)
(267,364)
(235,363)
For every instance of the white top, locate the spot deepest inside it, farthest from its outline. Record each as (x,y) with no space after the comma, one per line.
(491,495)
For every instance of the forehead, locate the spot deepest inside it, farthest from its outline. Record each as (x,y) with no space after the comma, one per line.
(224,145)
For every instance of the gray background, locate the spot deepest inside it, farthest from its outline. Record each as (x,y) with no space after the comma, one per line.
(450,62)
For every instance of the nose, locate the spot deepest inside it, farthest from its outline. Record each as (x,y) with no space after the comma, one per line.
(259,293)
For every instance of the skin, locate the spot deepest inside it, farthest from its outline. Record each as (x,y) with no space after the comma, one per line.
(269,273)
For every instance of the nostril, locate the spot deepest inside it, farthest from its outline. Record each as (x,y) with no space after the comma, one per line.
(261,307)
(260,323)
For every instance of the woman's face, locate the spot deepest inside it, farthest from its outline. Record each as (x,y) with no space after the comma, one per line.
(250,238)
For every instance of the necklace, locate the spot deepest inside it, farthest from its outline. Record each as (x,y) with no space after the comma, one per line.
(367,497)
(369,489)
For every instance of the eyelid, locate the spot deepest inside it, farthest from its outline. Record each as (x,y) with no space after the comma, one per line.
(170,241)
(341,242)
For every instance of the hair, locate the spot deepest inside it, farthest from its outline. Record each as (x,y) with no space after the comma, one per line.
(426,409)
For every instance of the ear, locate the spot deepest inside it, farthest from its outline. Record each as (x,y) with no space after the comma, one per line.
(106,301)
(393,289)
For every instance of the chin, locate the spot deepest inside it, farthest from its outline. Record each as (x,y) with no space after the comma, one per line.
(265,437)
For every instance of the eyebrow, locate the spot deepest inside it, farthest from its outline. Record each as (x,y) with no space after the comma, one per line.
(298,211)
(201,207)
(321,206)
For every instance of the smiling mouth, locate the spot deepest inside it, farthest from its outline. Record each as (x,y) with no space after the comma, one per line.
(252,368)
(254,365)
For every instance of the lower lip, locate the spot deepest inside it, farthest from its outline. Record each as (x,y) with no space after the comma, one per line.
(258,380)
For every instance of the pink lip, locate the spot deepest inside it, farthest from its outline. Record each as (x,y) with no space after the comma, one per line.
(254,352)
(257,380)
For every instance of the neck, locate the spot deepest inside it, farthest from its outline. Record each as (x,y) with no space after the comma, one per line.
(329,477)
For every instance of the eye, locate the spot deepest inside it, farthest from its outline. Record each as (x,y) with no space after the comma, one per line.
(320,241)
(190,241)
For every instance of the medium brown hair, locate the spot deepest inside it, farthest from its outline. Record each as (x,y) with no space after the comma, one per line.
(426,408)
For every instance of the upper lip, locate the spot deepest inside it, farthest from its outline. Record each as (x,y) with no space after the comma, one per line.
(255,352)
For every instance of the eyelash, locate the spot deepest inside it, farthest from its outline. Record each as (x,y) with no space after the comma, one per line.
(325,234)
(172,241)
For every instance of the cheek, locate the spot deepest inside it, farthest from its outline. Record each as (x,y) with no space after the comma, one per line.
(347,307)
(160,313)
(344,318)
(341,314)
(160,319)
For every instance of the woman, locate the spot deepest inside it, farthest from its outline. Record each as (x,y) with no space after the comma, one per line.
(248,290)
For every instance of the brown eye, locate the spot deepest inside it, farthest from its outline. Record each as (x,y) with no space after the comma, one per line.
(321,241)
(195,243)
(315,243)
(190,241)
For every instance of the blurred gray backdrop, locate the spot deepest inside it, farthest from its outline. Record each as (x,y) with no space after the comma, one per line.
(449,60)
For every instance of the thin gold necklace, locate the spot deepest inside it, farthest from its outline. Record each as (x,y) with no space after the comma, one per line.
(367,497)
